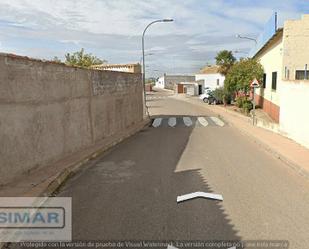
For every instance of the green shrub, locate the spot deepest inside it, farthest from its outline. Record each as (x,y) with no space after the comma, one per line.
(240,101)
(222,95)
(218,93)
(227,98)
(247,106)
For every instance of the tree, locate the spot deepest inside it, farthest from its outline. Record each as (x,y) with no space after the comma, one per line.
(82,59)
(225,60)
(56,59)
(242,74)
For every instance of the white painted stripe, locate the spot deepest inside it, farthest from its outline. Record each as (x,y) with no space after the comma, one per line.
(199,194)
(217,121)
(172,122)
(202,121)
(171,247)
(187,121)
(157,122)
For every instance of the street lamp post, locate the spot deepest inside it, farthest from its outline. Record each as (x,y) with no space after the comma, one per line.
(240,52)
(247,38)
(143,50)
(145,56)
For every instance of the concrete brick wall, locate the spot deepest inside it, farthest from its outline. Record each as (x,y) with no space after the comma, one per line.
(49,111)
(172,80)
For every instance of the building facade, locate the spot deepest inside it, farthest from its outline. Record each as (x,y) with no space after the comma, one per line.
(211,77)
(171,81)
(284,92)
(191,88)
(285,57)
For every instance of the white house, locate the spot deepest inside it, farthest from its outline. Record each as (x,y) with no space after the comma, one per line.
(284,92)
(160,82)
(211,77)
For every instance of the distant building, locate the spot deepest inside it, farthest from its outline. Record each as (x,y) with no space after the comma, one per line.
(171,81)
(211,77)
(191,88)
(128,68)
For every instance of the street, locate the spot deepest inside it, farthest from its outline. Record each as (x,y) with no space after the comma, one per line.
(130,192)
(154,124)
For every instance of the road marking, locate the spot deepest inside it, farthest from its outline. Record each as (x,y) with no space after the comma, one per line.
(187,121)
(202,121)
(172,122)
(199,194)
(171,247)
(217,121)
(157,122)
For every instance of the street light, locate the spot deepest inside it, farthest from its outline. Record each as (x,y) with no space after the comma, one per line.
(247,38)
(143,50)
(145,55)
(240,52)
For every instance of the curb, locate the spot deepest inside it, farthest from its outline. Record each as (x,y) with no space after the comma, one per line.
(64,175)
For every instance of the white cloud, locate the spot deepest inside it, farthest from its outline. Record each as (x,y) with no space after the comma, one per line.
(112,28)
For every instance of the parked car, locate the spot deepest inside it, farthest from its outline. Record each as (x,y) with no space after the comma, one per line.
(209,98)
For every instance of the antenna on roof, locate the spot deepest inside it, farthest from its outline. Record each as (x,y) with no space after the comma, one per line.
(276,21)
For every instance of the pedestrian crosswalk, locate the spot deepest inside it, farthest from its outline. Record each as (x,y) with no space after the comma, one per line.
(149,97)
(187,121)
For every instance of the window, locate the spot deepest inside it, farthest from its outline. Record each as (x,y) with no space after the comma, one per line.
(300,75)
(274,81)
(286,73)
(264,81)
(218,82)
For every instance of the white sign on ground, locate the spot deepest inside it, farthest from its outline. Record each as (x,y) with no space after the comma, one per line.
(199,195)
(171,247)
(202,121)
(157,122)
(217,121)
(172,122)
(187,121)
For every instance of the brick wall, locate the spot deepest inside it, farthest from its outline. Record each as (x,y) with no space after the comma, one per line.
(269,107)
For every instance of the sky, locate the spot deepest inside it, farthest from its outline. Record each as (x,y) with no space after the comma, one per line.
(112,29)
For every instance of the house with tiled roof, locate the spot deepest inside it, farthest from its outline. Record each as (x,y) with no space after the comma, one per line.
(284,92)
(211,77)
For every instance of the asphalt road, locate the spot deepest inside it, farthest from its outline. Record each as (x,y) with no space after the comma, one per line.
(130,192)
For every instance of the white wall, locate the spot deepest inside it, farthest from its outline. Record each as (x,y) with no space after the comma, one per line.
(271,61)
(211,80)
(294,114)
(160,83)
(191,89)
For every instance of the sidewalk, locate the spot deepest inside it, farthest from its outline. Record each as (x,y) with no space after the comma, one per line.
(285,149)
